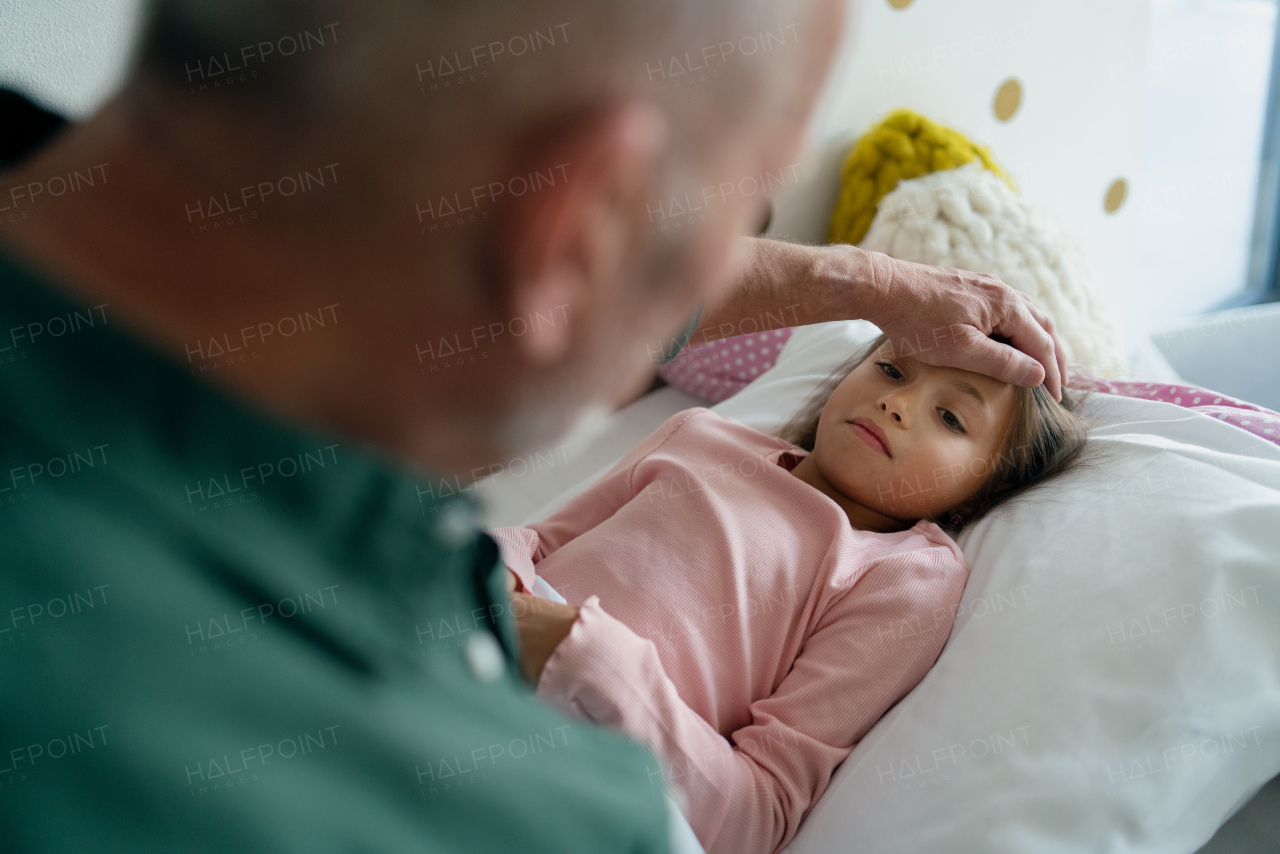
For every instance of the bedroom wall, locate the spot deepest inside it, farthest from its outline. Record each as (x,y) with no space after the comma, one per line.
(1075,131)
(1165,96)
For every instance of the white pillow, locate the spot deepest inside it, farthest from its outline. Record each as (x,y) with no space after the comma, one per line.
(1112,680)
(809,356)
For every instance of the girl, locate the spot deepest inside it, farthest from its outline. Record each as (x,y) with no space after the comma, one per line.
(749,606)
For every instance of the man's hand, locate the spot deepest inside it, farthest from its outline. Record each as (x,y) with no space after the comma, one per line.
(944,317)
(541,624)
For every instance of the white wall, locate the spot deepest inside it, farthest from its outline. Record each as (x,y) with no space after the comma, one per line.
(1076,132)
(1206,77)
(1167,94)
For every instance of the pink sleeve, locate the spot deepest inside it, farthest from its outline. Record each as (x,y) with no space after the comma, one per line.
(522,548)
(747,794)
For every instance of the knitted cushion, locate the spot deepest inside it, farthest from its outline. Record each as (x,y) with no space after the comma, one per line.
(904,145)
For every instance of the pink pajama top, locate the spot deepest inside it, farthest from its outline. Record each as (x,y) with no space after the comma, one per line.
(734,622)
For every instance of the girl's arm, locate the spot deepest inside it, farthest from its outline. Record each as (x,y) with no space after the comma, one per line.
(747,794)
(523,548)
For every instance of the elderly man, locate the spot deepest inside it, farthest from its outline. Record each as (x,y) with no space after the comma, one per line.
(313,257)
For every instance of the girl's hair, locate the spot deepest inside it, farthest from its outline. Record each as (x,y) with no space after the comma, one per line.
(1042,440)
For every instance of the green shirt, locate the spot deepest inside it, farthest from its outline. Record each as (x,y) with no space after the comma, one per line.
(221,632)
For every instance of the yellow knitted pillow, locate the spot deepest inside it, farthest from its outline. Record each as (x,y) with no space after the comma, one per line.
(904,145)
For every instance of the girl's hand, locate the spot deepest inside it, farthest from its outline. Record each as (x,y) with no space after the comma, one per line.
(541,625)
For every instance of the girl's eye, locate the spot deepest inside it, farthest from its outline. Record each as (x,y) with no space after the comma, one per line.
(896,375)
(947,416)
(949,419)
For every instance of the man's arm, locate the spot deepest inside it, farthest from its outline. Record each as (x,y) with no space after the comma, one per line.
(777,287)
(938,315)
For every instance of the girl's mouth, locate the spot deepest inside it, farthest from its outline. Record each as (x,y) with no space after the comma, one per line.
(868,432)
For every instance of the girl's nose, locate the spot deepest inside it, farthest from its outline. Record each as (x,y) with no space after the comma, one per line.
(894,411)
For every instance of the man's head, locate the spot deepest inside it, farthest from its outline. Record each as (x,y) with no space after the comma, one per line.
(524,203)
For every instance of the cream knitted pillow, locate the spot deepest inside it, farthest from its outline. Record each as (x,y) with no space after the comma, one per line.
(969,219)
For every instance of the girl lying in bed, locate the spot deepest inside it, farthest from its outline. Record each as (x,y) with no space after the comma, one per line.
(749,606)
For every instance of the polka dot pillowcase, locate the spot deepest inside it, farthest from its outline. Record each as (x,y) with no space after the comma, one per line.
(720,369)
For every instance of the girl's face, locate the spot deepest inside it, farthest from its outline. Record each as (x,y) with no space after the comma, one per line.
(909,440)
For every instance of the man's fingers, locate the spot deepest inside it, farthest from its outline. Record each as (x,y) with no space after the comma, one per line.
(980,305)
(1053,384)
(1031,331)
(1034,375)
(983,355)
(1061,353)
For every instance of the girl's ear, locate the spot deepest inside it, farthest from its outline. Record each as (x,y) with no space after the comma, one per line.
(955,517)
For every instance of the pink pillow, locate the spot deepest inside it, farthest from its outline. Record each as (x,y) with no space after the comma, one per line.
(1247,416)
(720,369)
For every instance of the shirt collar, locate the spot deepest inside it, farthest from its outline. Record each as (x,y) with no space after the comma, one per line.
(787,458)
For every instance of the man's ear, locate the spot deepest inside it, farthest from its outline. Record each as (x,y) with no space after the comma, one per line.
(564,246)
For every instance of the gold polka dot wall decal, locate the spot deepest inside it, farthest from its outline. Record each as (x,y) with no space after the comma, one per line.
(1115,195)
(1008,99)
(900,4)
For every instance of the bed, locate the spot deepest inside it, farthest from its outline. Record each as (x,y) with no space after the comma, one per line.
(1103,738)
(1112,681)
